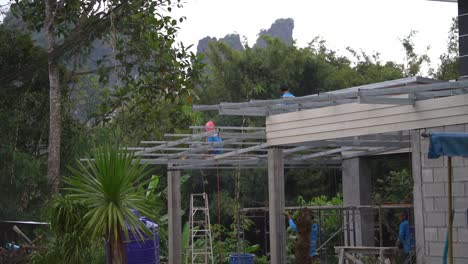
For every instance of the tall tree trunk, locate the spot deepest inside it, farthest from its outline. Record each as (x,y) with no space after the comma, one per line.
(55,101)
(116,248)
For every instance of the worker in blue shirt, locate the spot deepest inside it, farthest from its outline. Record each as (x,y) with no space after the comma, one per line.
(285,91)
(404,233)
(210,126)
(313,236)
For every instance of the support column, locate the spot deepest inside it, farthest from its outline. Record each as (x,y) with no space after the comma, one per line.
(418,200)
(276,206)
(175,221)
(357,191)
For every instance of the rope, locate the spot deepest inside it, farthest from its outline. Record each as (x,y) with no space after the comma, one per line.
(219,212)
(237,209)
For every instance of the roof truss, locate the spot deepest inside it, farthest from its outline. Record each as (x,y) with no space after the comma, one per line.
(406,93)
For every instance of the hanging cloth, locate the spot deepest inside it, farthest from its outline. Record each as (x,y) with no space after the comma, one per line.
(448,144)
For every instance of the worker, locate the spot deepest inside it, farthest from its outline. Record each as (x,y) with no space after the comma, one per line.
(285,91)
(313,237)
(210,126)
(404,234)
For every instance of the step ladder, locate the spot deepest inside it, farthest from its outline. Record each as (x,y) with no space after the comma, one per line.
(200,245)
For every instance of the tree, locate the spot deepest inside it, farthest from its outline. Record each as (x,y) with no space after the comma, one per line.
(413,61)
(111,186)
(150,65)
(23,132)
(449,63)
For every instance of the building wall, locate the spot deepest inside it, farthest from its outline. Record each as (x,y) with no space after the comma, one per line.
(430,200)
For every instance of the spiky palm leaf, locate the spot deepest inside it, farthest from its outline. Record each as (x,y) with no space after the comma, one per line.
(111,185)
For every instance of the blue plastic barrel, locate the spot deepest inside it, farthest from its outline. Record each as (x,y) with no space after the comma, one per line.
(142,252)
(241,258)
(146,251)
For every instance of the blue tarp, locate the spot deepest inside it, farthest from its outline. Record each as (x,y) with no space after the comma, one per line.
(448,144)
(146,251)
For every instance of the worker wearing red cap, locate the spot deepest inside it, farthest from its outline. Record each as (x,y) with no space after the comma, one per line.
(210,126)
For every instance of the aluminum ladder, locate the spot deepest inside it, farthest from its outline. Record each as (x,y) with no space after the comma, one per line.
(200,244)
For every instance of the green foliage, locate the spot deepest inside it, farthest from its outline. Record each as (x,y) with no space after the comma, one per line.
(298,181)
(330,222)
(136,122)
(146,59)
(23,111)
(449,63)
(256,73)
(413,61)
(69,241)
(396,187)
(231,243)
(111,184)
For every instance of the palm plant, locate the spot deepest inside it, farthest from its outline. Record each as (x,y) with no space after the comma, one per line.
(112,185)
(68,241)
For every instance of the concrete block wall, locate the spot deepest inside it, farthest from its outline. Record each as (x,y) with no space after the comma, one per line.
(431,202)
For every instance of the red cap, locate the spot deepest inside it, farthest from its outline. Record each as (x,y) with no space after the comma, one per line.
(209,126)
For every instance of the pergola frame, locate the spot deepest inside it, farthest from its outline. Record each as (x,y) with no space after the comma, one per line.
(251,147)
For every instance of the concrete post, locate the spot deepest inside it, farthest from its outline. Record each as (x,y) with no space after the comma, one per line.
(417,194)
(276,206)
(357,191)
(175,221)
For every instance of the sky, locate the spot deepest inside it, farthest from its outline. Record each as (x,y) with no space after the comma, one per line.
(368,25)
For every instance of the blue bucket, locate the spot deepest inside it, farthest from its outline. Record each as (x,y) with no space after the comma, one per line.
(241,258)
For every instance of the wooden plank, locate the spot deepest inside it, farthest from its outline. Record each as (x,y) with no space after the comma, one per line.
(442,121)
(239,112)
(368,153)
(296,149)
(205,107)
(302,99)
(354,112)
(252,135)
(205,148)
(417,88)
(357,143)
(341,256)
(326,103)
(416,165)
(240,151)
(199,142)
(223,134)
(385,100)
(374,121)
(276,206)
(352,258)
(175,143)
(325,153)
(230,128)
(175,219)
